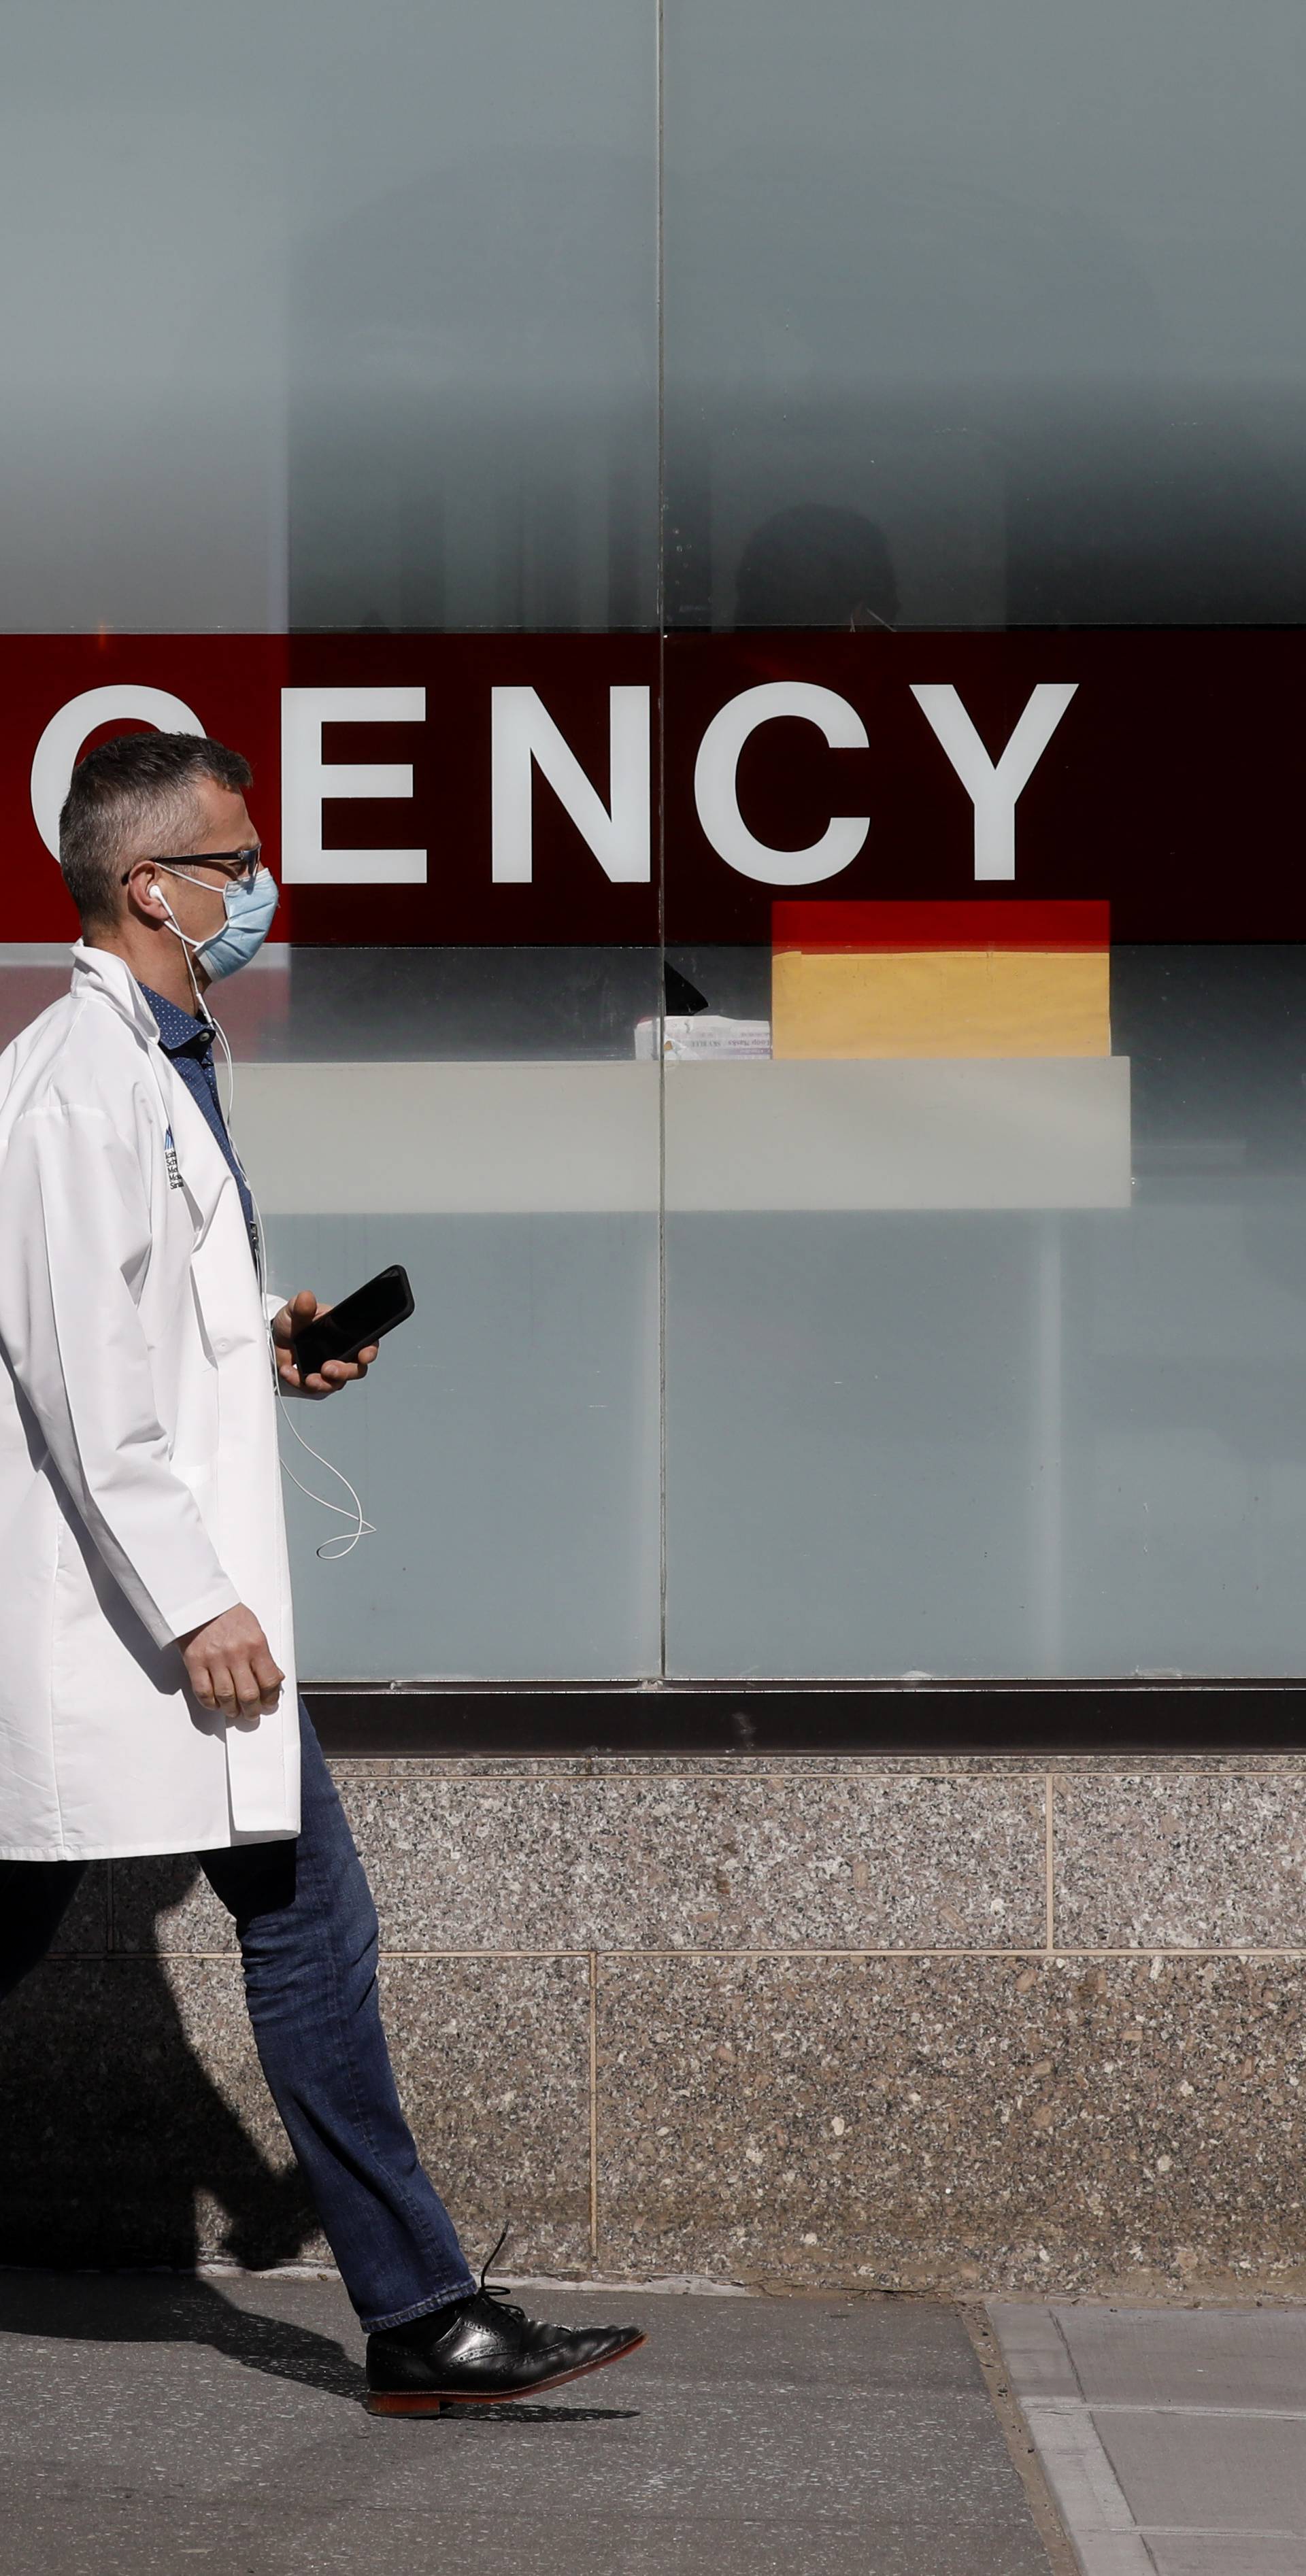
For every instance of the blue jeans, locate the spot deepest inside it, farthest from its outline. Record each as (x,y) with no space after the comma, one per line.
(308,1936)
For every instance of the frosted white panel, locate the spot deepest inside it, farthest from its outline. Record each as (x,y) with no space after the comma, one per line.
(371,1137)
(1019,1134)
(458,1138)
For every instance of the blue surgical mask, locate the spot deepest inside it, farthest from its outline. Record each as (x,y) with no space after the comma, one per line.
(249,908)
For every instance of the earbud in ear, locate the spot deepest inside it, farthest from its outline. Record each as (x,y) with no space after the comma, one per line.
(157,889)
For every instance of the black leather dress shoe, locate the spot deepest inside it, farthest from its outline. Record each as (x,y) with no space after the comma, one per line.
(482,2351)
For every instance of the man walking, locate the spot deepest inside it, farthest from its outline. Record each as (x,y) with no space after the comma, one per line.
(147,1692)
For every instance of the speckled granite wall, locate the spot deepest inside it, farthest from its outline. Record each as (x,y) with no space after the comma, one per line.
(905,2023)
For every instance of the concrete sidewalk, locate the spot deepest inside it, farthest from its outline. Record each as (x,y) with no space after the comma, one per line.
(154,2423)
(1173,2439)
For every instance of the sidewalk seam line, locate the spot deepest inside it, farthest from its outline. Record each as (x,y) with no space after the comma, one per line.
(1172,2406)
(1021,2448)
(1094,2506)
(1063,2339)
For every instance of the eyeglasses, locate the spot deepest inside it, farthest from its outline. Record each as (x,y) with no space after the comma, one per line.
(243,865)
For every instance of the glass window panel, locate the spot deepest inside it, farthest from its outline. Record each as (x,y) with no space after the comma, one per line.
(982,320)
(329,318)
(342,325)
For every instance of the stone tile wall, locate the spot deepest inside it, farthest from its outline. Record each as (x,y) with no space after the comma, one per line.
(909,2024)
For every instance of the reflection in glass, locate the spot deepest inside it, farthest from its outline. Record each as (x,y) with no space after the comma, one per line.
(1020,297)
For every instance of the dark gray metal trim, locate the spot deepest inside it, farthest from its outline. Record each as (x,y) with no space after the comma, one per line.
(780,1717)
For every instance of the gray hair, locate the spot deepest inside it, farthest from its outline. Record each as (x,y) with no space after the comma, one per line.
(133,798)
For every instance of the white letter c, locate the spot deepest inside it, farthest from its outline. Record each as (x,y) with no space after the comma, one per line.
(716,771)
(65,733)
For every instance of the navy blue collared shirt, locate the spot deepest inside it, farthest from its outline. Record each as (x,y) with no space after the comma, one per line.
(188,1042)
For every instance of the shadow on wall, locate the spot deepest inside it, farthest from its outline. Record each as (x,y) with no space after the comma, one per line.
(816,565)
(111,2129)
(1058,420)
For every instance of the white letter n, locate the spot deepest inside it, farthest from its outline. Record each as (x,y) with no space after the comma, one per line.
(522,731)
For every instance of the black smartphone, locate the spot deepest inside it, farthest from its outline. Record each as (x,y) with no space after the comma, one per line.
(363,1317)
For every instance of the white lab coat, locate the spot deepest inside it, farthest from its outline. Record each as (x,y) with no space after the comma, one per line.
(140,1492)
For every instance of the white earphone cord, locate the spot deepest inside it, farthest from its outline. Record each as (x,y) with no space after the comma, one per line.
(331,1549)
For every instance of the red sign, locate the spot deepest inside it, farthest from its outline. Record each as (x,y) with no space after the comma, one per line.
(432,789)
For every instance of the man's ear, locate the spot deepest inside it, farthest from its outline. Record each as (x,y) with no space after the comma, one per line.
(148,893)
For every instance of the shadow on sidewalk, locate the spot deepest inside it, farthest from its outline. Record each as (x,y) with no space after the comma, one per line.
(127,2309)
(111,2129)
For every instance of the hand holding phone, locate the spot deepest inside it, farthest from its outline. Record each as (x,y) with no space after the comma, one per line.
(359,1319)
